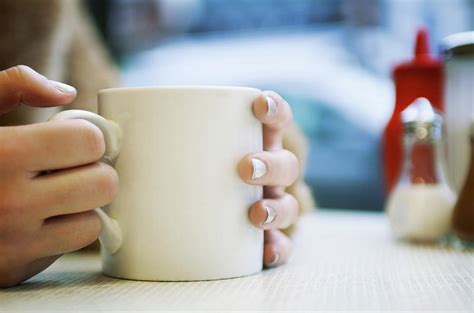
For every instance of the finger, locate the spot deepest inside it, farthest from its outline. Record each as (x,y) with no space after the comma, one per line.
(67,233)
(16,276)
(277,248)
(52,145)
(277,213)
(275,168)
(275,114)
(74,190)
(21,84)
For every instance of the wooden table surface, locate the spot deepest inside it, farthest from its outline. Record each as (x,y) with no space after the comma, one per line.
(341,261)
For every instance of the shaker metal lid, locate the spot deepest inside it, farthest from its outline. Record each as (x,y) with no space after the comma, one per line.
(422,121)
(458,44)
(421,111)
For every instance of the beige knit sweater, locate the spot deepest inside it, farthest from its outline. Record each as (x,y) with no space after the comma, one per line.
(55,38)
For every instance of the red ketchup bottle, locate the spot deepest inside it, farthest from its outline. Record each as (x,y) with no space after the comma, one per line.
(420,77)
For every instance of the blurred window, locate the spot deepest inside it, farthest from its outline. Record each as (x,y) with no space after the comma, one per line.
(330,58)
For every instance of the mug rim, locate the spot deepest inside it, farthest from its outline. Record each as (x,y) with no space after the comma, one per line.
(178,88)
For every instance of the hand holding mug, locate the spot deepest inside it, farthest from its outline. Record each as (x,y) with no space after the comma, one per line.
(43,216)
(51,179)
(274,168)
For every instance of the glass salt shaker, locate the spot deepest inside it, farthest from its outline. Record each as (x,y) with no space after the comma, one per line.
(420,206)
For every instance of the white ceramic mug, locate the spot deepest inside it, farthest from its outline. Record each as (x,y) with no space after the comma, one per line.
(182,211)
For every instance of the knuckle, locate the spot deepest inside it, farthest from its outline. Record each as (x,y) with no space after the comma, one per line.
(15,80)
(91,139)
(21,69)
(287,118)
(78,232)
(107,182)
(288,211)
(92,232)
(11,150)
(295,207)
(293,165)
(10,207)
(84,231)
(17,74)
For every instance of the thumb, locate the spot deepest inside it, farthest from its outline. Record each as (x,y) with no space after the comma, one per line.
(22,85)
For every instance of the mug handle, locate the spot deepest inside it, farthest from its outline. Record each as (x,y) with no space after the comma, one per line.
(111,235)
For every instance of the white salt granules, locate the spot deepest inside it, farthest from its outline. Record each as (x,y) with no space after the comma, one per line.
(420,212)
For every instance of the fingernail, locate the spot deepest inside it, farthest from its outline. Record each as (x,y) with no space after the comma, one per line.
(258,168)
(274,260)
(62,87)
(271,106)
(271,214)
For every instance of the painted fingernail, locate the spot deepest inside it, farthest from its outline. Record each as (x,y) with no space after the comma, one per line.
(271,214)
(274,260)
(258,168)
(271,106)
(62,87)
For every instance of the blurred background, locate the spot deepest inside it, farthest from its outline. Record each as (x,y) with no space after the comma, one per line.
(331,59)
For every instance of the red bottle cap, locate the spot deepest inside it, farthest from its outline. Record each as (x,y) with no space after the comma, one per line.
(420,77)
